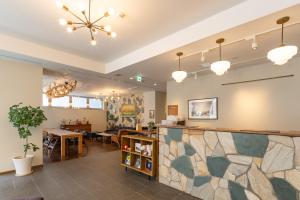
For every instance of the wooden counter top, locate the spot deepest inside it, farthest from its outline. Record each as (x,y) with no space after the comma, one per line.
(262,132)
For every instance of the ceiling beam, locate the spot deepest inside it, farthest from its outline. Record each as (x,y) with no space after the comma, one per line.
(32,50)
(242,13)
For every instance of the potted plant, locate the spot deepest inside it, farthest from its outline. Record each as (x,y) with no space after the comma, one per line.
(24,118)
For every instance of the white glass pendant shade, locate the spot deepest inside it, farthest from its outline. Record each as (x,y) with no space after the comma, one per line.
(220,67)
(281,55)
(179,76)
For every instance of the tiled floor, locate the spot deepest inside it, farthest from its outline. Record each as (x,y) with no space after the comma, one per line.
(95,176)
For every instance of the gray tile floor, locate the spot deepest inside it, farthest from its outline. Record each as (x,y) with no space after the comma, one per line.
(95,176)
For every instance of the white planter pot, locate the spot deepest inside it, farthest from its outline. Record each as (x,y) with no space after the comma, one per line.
(23,165)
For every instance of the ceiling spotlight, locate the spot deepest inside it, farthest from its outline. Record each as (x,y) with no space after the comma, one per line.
(179,75)
(254,44)
(155,84)
(221,66)
(196,76)
(283,53)
(202,56)
(131,78)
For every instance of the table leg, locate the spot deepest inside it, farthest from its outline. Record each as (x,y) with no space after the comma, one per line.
(80,144)
(63,148)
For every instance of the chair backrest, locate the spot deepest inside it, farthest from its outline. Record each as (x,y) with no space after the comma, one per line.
(53,143)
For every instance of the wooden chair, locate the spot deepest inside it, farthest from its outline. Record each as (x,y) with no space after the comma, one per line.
(117,138)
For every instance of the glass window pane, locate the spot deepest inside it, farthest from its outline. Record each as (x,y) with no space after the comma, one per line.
(45,100)
(61,102)
(96,103)
(79,102)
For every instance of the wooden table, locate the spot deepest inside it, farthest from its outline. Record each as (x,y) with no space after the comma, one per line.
(105,136)
(64,134)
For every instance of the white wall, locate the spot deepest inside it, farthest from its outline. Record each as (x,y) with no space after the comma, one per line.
(55,115)
(149,104)
(272,104)
(19,82)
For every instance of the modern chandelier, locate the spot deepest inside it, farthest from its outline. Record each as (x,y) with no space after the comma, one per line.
(179,75)
(113,97)
(57,90)
(85,21)
(283,53)
(221,66)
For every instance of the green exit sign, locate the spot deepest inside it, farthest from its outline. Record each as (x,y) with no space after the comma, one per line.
(138,78)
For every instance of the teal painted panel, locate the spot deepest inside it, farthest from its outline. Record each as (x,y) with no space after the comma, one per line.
(251,144)
(201,180)
(183,165)
(283,189)
(237,192)
(217,166)
(175,134)
(189,149)
(167,139)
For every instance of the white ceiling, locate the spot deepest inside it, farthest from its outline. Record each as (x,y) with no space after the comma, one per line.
(146,21)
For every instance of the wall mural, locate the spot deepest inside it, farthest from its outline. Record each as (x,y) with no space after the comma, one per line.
(114,111)
(230,166)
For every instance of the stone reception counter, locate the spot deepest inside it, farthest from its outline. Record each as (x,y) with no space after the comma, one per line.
(214,164)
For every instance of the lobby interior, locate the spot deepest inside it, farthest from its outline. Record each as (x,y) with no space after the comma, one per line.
(150,100)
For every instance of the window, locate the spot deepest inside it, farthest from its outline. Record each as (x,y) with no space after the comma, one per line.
(79,102)
(61,102)
(96,103)
(45,100)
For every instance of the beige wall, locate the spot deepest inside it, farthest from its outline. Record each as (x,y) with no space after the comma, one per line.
(19,82)
(55,115)
(272,104)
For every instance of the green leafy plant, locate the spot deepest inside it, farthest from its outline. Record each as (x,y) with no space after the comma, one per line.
(24,118)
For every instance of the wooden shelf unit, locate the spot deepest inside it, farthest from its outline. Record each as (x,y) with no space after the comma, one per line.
(130,141)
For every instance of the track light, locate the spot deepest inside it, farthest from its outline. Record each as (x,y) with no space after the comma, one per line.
(202,56)
(254,44)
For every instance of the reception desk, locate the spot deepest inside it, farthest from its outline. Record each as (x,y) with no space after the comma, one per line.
(214,164)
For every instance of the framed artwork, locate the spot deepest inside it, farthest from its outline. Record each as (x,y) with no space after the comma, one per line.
(151,114)
(128,110)
(203,108)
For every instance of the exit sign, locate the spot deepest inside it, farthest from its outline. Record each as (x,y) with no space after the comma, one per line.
(138,78)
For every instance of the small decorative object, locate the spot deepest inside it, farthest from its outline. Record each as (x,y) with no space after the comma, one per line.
(128,159)
(138,127)
(137,147)
(137,163)
(151,126)
(149,150)
(151,114)
(148,164)
(203,108)
(24,118)
(126,147)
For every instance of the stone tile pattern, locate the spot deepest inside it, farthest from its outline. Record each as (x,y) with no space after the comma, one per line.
(230,166)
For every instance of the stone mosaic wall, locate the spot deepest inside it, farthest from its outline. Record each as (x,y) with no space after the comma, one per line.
(114,108)
(230,166)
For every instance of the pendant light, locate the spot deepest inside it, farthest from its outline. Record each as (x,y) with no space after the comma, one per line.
(179,75)
(283,53)
(221,66)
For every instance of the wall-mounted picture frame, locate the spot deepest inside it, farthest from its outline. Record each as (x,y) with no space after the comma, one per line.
(151,114)
(203,109)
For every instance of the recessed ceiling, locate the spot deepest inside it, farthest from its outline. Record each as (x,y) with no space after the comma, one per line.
(146,21)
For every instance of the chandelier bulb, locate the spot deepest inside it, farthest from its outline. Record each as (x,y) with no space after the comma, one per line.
(59,4)
(93,42)
(111,12)
(113,34)
(69,29)
(63,22)
(107,28)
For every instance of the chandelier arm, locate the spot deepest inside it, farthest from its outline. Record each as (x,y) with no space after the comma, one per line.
(85,16)
(98,20)
(92,37)
(78,27)
(100,29)
(77,17)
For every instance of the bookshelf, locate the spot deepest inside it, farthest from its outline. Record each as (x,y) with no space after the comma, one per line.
(135,154)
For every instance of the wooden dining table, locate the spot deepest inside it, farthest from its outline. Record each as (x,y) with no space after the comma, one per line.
(64,134)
